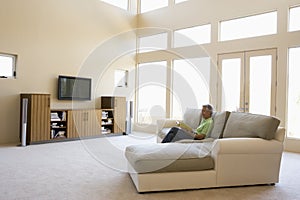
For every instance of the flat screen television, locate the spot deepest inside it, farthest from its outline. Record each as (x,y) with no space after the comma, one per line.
(74,88)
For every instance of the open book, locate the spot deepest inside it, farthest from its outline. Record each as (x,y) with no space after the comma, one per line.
(184,126)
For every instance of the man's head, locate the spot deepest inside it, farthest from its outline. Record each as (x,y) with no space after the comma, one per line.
(207,111)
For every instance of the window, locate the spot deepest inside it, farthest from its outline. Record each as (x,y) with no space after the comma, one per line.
(293,126)
(231,81)
(121,78)
(253,26)
(152,80)
(119,3)
(192,36)
(190,84)
(148,5)
(179,1)
(7,66)
(294,22)
(153,42)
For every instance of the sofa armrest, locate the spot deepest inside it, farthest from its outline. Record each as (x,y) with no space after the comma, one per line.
(246,146)
(165,123)
(280,134)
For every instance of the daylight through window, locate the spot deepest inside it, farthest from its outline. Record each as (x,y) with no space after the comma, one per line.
(253,26)
(7,66)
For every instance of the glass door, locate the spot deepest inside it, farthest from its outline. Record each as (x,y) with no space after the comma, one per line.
(260,87)
(231,88)
(293,112)
(248,81)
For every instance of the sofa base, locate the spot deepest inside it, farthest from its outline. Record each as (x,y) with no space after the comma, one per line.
(151,182)
(247,170)
(155,182)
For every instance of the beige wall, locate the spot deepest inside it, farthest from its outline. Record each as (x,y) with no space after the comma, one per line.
(200,12)
(52,37)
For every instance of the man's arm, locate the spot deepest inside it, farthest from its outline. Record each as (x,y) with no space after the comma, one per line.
(199,136)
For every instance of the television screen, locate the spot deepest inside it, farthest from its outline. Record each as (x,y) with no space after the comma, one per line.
(74,88)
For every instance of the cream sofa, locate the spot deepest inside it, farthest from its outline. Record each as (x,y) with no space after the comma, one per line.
(242,149)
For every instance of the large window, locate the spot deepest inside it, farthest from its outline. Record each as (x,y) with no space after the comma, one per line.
(293,126)
(152,80)
(119,3)
(294,22)
(7,66)
(190,84)
(148,5)
(153,42)
(192,36)
(253,26)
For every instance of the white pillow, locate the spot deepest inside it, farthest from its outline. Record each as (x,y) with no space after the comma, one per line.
(192,117)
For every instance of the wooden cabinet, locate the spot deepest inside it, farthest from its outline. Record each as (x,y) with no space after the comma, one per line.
(35,108)
(45,125)
(119,114)
(84,123)
(113,114)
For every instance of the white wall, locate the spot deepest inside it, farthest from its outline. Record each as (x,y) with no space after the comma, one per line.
(52,37)
(200,12)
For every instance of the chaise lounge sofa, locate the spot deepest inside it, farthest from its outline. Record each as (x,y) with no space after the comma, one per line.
(241,149)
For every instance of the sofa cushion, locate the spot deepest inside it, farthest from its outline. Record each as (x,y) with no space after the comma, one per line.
(192,117)
(250,125)
(170,157)
(163,132)
(219,122)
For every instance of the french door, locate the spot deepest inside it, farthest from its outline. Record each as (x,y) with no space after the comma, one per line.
(248,81)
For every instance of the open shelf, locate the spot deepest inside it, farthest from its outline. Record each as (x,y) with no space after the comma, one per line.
(58,124)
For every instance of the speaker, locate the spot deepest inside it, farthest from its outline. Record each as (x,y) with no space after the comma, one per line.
(129,116)
(24,121)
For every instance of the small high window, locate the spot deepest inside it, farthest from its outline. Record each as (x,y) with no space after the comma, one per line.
(119,3)
(246,27)
(148,5)
(192,36)
(179,1)
(7,66)
(294,22)
(153,42)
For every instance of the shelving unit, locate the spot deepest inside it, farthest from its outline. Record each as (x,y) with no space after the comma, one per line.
(58,124)
(42,124)
(113,114)
(107,122)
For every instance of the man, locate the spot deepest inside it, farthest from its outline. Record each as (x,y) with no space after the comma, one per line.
(177,133)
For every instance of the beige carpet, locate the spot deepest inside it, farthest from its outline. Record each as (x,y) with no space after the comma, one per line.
(94,169)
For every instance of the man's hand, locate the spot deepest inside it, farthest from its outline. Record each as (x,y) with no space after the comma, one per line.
(199,136)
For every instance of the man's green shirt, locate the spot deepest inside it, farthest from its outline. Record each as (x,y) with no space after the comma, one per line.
(204,126)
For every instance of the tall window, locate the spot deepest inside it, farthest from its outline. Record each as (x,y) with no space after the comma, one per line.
(294,22)
(148,5)
(152,79)
(190,84)
(192,36)
(293,126)
(253,26)
(119,3)
(7,66)
(153,42)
